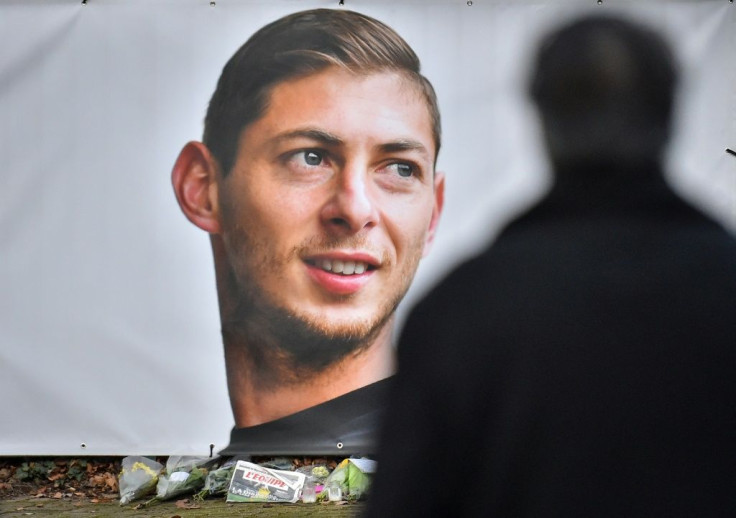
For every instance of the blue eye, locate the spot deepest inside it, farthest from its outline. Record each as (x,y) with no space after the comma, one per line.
(312,158)
(404,170)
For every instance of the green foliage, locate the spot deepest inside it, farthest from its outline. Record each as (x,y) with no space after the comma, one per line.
(34,471)
(76,470)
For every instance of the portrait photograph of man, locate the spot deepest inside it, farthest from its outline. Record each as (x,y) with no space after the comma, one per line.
(316,183)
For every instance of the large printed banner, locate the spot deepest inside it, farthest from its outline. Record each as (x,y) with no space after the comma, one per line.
(130,250)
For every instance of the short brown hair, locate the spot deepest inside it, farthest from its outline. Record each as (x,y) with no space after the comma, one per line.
(297,45)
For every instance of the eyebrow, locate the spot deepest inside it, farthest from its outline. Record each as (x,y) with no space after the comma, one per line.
(404,145)
(329,139)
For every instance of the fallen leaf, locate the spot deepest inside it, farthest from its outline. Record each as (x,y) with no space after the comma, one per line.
(94,501)
(186,504)
(111,481)
(57,495)
(55,477)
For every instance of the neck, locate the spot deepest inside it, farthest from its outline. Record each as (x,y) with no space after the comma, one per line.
(255,401)
(594,173)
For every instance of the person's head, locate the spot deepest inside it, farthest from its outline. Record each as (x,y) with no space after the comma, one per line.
(316,182)
(604,88)
(299,45)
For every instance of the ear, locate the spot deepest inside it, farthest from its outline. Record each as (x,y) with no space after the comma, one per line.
(194,179)
(439,201)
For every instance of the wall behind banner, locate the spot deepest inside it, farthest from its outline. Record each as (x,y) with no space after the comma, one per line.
(109,334)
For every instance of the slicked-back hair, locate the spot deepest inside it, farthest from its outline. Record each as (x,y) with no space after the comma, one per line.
(296,46)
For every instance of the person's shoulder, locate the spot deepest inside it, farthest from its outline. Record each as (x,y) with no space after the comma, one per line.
(451,304)
(457,281)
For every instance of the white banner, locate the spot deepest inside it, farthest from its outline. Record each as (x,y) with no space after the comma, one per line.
(109,332)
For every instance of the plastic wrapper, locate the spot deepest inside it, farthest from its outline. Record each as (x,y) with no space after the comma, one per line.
(316,473)
(218,480)
(282,463)
(180,482)
(183,475)
(138,478)
(186,463)
(354,477)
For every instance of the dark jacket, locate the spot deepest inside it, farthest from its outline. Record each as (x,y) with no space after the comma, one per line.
(584,365)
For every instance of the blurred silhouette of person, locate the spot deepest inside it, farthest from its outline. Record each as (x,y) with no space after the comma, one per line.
(583,365)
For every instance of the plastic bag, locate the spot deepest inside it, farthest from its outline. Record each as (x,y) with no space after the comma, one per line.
(183,475)
(316,473)
(218,480)
(138,478)
(186,463)
(353,476)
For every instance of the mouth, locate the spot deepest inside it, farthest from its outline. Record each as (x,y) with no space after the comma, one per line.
(342,273)
(341,267)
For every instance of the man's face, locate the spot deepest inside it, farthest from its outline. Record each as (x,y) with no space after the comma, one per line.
(332,200)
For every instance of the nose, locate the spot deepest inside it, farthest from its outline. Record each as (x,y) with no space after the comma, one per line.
(351,206)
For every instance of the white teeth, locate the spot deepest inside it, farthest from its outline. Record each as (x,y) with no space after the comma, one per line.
(342,267)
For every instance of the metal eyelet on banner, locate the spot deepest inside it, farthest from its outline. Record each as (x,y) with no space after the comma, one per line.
(339,445)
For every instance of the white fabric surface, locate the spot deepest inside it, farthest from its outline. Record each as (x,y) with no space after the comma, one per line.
(109,334)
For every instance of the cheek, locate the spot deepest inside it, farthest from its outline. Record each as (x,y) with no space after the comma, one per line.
(408,225)
(285,205)
(266,216)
